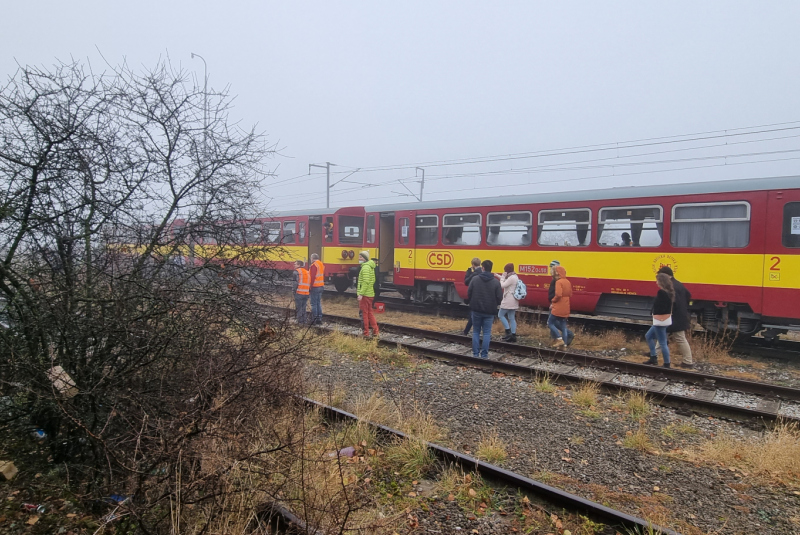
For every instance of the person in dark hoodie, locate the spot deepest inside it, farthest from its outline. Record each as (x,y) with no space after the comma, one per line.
(472,270)
(681,320)
(484,295)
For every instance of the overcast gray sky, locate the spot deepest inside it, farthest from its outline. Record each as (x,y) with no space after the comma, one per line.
(376,84)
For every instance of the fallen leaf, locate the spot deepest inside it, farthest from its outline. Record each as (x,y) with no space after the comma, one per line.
(371,451)
(415,482)
(566,450)
(450,497)
(412,494)
(71,515)
(656,489)
(472,492)
(566,459)
(364,443)
(367,480)
(32,520)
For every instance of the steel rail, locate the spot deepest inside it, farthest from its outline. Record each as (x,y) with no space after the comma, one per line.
(551,494)
(767,409)
(778,349)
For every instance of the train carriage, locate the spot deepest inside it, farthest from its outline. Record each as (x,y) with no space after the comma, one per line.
(734,243)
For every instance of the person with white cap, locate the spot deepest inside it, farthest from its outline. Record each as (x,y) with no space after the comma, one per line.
(366,292)
(551,294)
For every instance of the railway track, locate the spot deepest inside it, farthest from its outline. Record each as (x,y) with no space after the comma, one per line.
(558,498)
(753,346)
(720,396)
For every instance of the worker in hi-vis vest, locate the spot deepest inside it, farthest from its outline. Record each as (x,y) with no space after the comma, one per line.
(301,285)
(317,272)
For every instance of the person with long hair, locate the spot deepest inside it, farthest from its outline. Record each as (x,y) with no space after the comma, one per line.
(662,318)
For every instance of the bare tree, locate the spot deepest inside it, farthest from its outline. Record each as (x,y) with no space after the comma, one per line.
(131,322)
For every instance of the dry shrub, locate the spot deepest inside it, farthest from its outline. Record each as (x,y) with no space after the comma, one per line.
(492,448)
(586,394)
(362,349)
(775,455)
(410,457)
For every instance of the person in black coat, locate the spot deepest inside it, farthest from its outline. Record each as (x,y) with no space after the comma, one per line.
(662,313)
(485,295)
(472,270)
(681,319)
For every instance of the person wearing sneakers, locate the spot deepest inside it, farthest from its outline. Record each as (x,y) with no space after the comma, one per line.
(681,320)
(662,318)
(484,294)
(551,294)
(559,308)
(366,292)
(472,270)
(509,305)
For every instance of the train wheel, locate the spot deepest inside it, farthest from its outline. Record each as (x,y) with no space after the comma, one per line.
(341,284)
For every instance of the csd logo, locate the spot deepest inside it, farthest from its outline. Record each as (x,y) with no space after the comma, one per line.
(440,259)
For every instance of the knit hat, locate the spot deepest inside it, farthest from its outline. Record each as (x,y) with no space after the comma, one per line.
(667,270)
(509,268)
(555,263)
(365,254)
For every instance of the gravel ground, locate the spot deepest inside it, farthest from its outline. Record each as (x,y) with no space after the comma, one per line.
(548,438)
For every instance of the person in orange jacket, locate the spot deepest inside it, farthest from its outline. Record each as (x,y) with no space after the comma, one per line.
(559,308)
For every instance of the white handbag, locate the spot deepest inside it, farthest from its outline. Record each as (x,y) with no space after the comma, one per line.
(662,323)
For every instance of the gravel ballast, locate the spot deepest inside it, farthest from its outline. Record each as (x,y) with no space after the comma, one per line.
(582,451)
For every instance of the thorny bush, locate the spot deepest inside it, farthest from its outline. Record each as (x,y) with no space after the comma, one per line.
(116,193)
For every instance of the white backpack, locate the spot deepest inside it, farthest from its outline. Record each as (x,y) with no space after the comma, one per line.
(521,291)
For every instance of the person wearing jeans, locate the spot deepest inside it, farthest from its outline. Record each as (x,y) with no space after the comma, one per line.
(510,304)
(662,318)
(560,308)
(481,323)
(484,295)
(472,270)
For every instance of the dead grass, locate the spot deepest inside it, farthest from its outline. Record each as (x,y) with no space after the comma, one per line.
(675,429)
(774,456)
(637,405)
(409,419)
(586,394)
(468,489)
(491,448)
(363,349)
(638,440)
(543,383)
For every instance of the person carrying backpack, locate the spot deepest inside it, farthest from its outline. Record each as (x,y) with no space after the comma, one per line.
(510,304)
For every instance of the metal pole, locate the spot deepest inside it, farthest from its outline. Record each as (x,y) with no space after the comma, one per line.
(327,166)
(422,184)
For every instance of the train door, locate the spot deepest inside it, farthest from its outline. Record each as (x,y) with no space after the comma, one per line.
(781,297)
(386,246)
(404,248)
(314,236)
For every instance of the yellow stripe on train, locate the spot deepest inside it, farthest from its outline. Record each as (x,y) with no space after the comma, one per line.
(698,268)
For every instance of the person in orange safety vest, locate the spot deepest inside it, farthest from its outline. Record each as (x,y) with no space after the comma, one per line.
(301,285)
(317,273)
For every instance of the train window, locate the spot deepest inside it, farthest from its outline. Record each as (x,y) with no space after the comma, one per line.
(630,226)
(509,228)
(791,224)
(272,231)
(351,229)
(461,229)
(328,228)
(403,231)
(371,228)
(289,235)
(252,233)
(301,230)
(717,224)
(564,228)
(427,230)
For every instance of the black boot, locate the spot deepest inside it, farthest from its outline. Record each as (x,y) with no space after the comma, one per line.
(512,337)
(666,365)
(507,336)
(653,360)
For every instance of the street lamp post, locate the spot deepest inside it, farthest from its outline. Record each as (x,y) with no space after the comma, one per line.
(205,101)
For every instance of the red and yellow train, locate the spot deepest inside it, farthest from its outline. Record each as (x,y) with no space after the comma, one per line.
(734,244)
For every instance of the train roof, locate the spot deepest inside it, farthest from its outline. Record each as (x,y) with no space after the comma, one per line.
(622,192)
